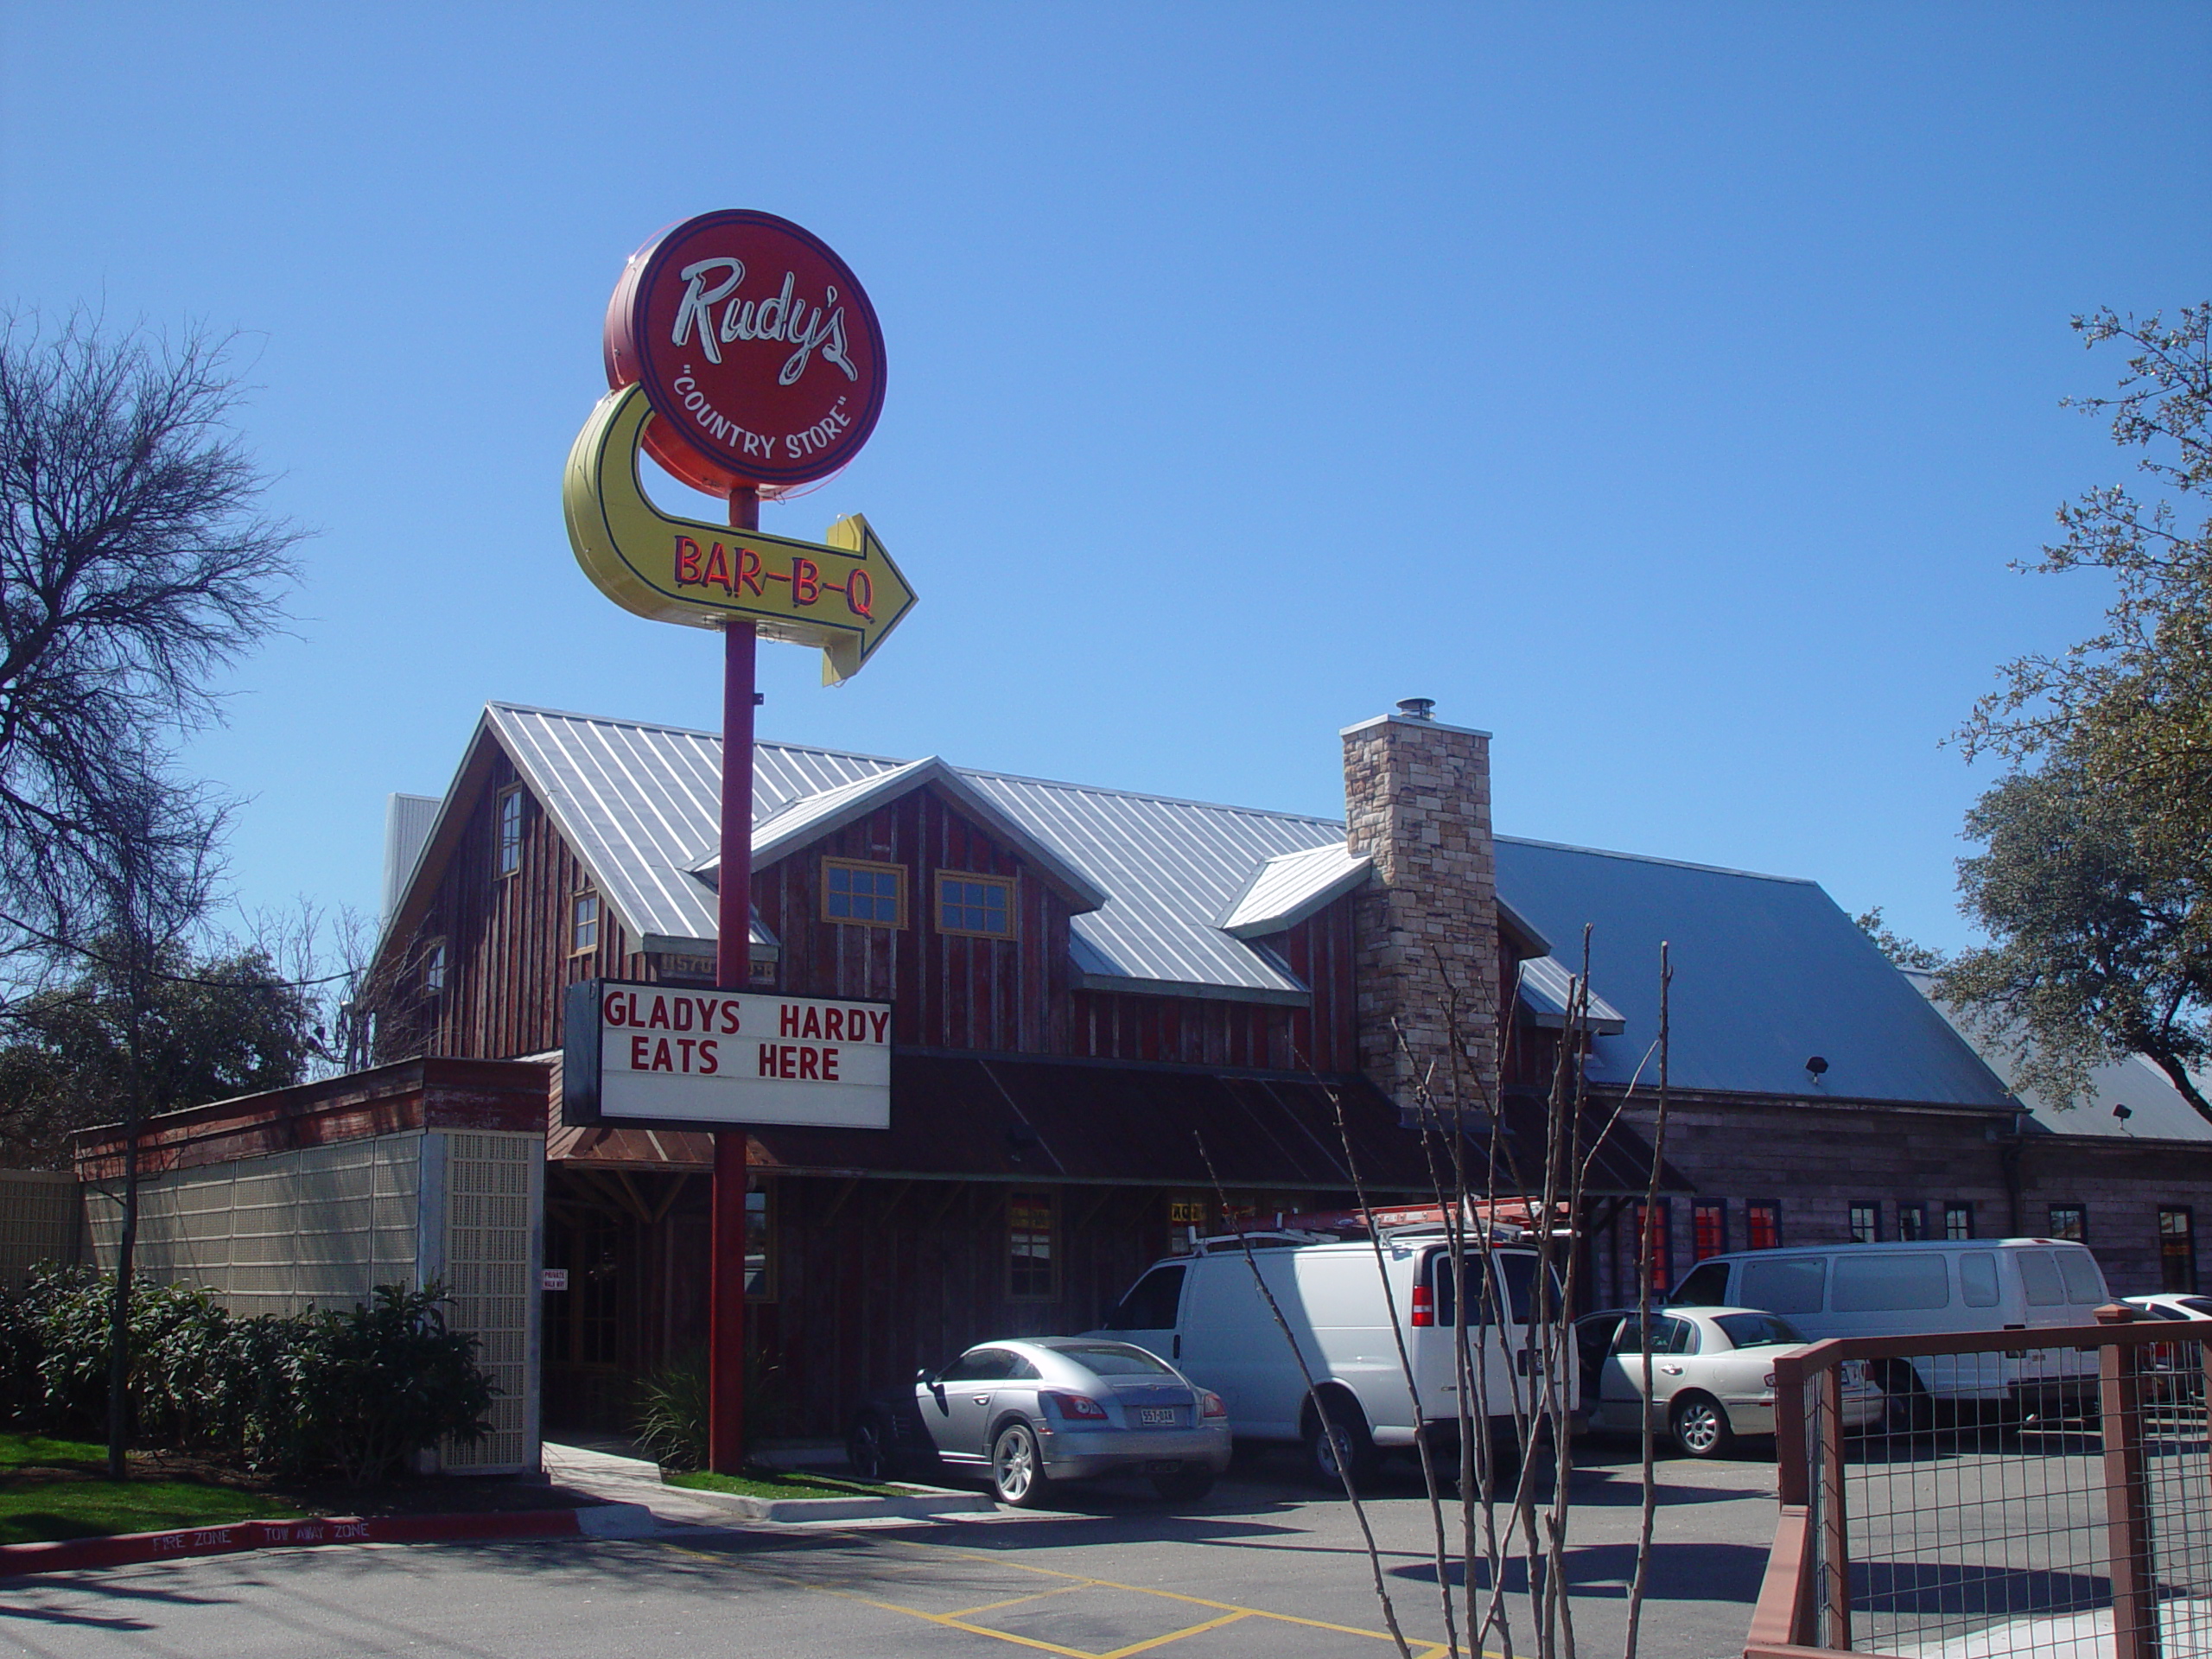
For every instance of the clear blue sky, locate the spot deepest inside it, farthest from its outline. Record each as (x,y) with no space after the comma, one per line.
(1662,388)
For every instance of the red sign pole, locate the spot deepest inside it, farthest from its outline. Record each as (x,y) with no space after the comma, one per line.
(733,967)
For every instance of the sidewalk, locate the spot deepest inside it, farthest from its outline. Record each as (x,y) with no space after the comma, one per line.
(634,1480)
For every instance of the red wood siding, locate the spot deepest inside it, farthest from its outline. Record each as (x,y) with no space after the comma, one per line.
(946,990)
(506,940)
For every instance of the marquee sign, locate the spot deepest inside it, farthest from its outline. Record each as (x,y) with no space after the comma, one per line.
(673,1057)
(754,345)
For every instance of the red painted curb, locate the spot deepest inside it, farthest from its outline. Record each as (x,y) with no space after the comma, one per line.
(128,1548)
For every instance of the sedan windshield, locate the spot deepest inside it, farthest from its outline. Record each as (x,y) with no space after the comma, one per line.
(1112,1359)
(1758,1329)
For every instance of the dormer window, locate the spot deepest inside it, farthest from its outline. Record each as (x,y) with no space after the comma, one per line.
(979,905)
(506,855)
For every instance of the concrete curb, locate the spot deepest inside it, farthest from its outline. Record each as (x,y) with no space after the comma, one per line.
(926,1501)
(131,1548)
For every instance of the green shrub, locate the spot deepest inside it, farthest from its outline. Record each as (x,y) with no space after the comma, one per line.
(672,1413)
(355,1392)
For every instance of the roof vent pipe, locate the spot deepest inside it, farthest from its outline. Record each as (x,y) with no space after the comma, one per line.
(1417,708)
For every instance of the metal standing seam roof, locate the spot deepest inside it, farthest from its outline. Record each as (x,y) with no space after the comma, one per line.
(1769,971)
(1291,886)
(639,803)
(2155,1110)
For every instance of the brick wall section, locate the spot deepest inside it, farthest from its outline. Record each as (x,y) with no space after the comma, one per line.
(1417,801)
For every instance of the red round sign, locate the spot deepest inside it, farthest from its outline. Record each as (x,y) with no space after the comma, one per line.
(757,348)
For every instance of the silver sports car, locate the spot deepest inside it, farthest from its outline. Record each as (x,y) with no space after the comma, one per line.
(1033,1412)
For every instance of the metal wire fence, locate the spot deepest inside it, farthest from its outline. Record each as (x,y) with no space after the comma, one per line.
(2052,1501)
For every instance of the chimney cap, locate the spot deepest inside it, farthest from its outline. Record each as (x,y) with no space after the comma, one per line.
(1417,708)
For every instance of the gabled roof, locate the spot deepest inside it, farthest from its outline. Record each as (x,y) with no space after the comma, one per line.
(639,803)
(1768,972)
(1547,983)
(810,819)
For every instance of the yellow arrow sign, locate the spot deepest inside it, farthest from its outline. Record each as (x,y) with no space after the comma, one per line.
(844,597)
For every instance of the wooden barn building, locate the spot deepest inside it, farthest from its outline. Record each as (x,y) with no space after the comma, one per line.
(1113,1011)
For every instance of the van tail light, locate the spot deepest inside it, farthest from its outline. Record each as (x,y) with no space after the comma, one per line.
(1424,1305)
(1211,1404)
(1077,1406)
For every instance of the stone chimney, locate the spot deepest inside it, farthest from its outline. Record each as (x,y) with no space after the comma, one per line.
(1417,801)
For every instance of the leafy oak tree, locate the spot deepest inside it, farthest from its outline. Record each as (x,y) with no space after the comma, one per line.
(2093,885)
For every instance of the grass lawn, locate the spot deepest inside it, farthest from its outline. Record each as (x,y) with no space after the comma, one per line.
(779,1482)
(59,1489)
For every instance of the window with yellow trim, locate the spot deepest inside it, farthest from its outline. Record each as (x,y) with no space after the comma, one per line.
(978,904)
(1032,1266)
(870,895)
(583,923)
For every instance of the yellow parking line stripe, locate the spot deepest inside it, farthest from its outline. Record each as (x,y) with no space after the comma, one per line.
(1145,1590)
(1175,1635)
(1016,1601)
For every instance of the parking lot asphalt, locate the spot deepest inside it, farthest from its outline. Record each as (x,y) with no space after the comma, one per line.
(1266,1565)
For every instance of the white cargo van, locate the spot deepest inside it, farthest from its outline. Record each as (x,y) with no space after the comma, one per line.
(1930,1288)
(1203,1313)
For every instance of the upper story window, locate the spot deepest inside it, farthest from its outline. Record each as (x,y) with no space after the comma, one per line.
(982,904)
(874,895)
(506,853)
(434,968)
(583,923)
(2069,1221)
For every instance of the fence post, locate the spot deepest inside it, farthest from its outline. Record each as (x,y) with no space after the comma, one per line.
(1834,1544)
(2128,1519)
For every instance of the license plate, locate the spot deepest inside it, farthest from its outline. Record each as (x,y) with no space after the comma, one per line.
(1854,1373)
(1161,1417)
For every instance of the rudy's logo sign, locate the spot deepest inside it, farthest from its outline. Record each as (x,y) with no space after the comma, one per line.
(754,345)
(660,1055)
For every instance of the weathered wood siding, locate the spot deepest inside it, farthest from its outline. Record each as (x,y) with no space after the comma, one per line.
(506,937)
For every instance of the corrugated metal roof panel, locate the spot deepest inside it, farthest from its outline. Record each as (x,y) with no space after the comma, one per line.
(1291,886)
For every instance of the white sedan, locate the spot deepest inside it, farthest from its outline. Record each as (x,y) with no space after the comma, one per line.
(1712,1375)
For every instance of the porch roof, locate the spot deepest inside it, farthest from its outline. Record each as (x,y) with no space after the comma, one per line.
(1002,1117)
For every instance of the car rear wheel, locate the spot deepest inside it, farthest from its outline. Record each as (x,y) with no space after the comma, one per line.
(1017,1471)
(1184,1488)
(1700,1427)
(870,1450)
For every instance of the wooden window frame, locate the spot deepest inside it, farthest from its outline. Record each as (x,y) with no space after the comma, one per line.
(1912,1221)
(1753,1217)
(1004,883)
(2185,1237)
(1052,1240)
(765,1191)
(1717,1211)
(2082,1211)
(598,921)
(437,970)
(1850,1220)
(1953,1208)
(501,869)
(874,868)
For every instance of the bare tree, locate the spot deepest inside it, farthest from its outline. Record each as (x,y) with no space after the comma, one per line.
(134,568)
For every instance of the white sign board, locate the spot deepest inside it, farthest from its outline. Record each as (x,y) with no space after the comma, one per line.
(670,1054)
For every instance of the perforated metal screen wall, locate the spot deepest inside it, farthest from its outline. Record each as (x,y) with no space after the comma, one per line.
(325,1225)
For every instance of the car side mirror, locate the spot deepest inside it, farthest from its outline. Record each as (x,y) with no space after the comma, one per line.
(923,1379)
